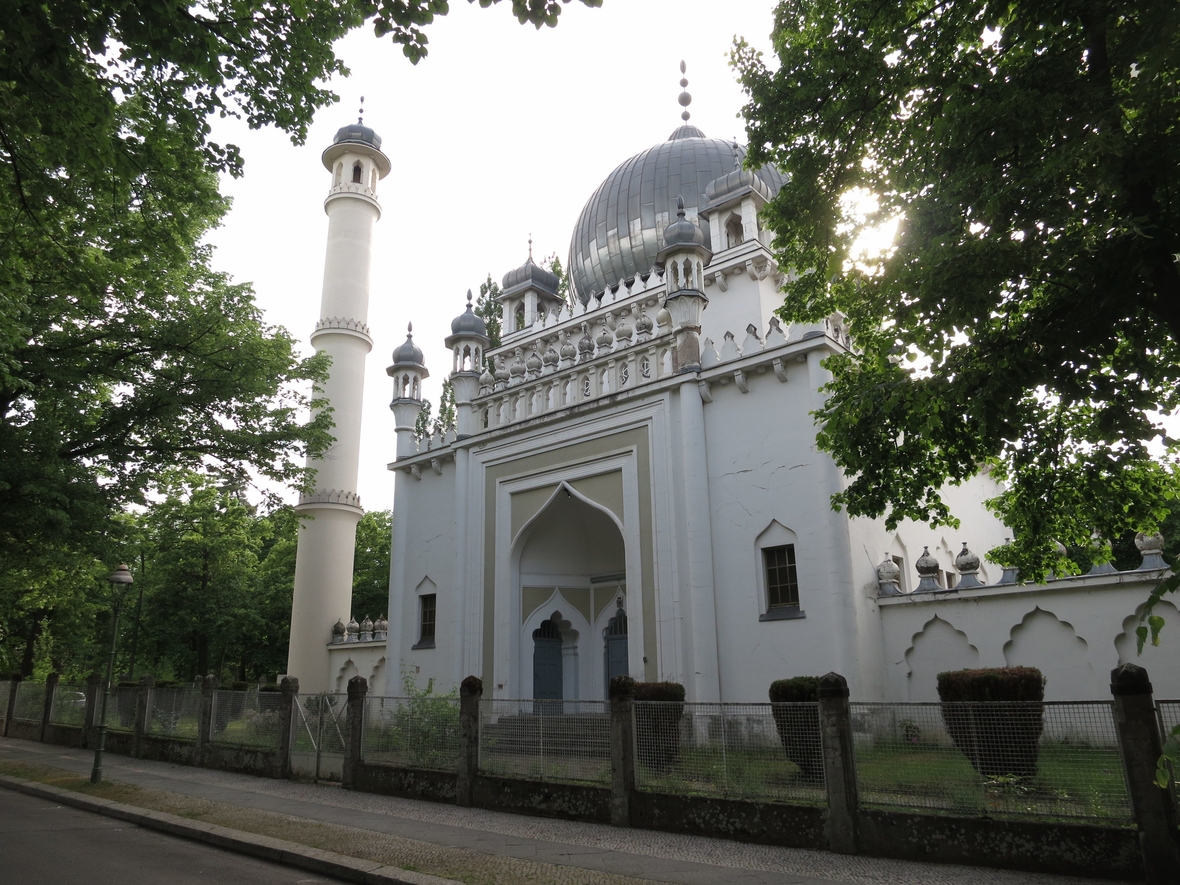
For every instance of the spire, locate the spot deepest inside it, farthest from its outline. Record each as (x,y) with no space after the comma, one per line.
(360,120)
(685,99)
(530,246)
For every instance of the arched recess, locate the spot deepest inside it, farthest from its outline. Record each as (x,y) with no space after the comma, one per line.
(378,686)
(1162,661)
(934,649)
(574,630)
(576,546)
(1044,641)
(345,673)
(900,554)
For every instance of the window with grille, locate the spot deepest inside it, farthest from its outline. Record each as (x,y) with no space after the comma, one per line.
(782,581)
(426,615)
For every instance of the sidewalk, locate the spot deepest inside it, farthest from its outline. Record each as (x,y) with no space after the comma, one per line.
(470,845)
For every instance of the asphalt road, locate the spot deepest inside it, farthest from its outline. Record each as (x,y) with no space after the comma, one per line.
(42,843)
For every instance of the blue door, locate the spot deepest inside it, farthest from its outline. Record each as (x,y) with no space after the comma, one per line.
(614,637)
(547,683)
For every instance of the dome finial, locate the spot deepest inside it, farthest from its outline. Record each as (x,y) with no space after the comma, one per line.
(685,98)
(530,246)
(409,330)
(469,299)
(680,206)
(361,113)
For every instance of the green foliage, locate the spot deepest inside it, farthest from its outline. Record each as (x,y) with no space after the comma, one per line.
(1027,318)
(659,691)
(798,689)
(425,424)
(1169,761)
(553,265)
(370,564)
(992,684)
(657,726)
(491,311)
(995,718)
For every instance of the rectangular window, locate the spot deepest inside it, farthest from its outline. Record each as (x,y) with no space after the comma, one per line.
(426,613)
(782,582)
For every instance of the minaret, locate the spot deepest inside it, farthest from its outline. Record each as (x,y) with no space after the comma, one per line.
(323,560)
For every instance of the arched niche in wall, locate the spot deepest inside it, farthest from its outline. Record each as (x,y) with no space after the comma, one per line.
(1044,641)
(901,556)
(1162,661)
(934,649)
(345,673)
(378,685)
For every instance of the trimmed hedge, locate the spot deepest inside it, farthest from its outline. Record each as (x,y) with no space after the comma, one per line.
(995,717)
(798,727)
(657,728)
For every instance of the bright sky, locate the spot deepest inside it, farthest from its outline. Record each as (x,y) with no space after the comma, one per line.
(501,131)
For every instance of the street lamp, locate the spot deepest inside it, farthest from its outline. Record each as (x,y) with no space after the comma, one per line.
(120,580)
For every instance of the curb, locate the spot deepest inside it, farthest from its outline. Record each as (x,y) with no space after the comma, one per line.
(314,860)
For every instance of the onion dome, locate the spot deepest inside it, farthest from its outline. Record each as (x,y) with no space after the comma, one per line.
(966,561)
(409,353)
(889,576)
(517,369)
(568,350)
(585,344)
(550,359)
(605,339)
(487,380)
(469,322)
(623,331)
(338,632)
(501,374)
(353,630)
(367,625)
(381,625)
(1152,548)
(927,567)
(736,184)
(644,325)
(533,363)
(682,232)
(530,276)
(357,133)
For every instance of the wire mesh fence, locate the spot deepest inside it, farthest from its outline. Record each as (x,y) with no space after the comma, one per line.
(317,740)
(5,694)
(1058,759)
(120,709)
(247,719)
(69,705)
(174,712)
(30,701)
(545,740)
(411,732)
(764,752)
(1169,716)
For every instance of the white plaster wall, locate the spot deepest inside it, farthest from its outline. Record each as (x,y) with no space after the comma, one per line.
(744,302)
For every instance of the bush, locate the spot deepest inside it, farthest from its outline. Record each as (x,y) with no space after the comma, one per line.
(798,727)
(995,717)
(657,727)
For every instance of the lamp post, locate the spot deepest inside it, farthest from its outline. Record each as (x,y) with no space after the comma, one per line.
(120,579)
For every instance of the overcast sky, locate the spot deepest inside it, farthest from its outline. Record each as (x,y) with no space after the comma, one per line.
(501,131)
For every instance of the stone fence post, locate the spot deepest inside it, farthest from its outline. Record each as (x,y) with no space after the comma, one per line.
(143,700)
(1154,808)
(622,749)
(205,718)
(93,705)
(13,687)
(354,729)
(51,682)
(470,693)
(835,724)
(288,698)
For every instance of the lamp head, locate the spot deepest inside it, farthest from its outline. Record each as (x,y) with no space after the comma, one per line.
(121,575)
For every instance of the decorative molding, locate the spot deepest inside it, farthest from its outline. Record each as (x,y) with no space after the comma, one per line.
(333,498)
(343,325)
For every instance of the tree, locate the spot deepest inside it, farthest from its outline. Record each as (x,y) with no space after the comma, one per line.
(553,265)
(1026,318)
(370,564)
(490,311)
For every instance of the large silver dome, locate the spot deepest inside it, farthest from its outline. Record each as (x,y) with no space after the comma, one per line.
(620,229)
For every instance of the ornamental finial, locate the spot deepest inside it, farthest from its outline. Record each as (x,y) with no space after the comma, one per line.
(361,113)
(685,98)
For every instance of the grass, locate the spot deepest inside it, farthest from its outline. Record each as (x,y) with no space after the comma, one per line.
(758,774)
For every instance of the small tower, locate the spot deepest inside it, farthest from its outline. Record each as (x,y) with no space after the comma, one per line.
(731,206)
(323,561)
(468,341)
(408,372)
(684,258)
(527,293)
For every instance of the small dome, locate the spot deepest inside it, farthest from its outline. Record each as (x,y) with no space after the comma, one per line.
(338,628)
(353,626)
(381,625)
(469,322)
(682,232)
(926,565)
(530,274)
(966,561)
(736,183)
(686,131)
(357,133)
(367,625)
(409,353)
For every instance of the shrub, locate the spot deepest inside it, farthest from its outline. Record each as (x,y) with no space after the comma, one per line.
(995,717)
(798,726)
(657,726)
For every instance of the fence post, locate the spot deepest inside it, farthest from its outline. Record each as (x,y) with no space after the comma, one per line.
(1139,742)
(470,692)
(51,682)
(835,722)
(622,749)
(13,687)
(93,701)
(355,726)
(288,698)
(139,727)
(205,717)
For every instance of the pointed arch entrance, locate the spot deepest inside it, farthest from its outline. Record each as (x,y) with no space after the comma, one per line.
(570,569)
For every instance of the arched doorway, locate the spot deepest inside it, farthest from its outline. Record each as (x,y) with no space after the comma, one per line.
(547,675)
(614,647)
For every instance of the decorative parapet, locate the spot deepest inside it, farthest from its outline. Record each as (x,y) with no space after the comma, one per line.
(349,187)
(347,325)
(331,498)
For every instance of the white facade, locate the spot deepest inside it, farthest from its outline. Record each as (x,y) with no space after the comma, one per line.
(602,464)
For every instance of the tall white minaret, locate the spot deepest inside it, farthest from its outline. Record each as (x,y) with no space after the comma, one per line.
(323,560)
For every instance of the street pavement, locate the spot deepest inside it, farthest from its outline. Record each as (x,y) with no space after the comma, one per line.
(477,845)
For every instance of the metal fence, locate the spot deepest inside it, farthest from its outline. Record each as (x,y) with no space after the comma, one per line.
(30,701)
(545,740)
(5,694)
(69,705)
(411,732)
(247,719)
(317,740)
(121,701)
(1169,716)
(767,752)
(174,712)
(1053,759)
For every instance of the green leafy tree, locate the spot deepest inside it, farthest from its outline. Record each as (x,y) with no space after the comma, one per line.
(1026,319)
(490,311)
(553,265)
(370,564)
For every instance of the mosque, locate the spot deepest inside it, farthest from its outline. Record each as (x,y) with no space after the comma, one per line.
(633,483)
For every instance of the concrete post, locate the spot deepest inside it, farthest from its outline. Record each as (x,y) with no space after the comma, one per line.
(288,698)
(835,723)
(622,749)
(93,703)
(143,700)
(355,728)
(470,693)
(51,682)
(1154,808)
(205,718)
(13,687)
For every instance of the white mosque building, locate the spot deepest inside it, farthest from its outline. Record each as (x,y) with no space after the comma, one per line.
(634,486)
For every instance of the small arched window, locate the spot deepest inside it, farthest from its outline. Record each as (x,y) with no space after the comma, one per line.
(734,235)
(357,171)
(373,180)
(519,317)
(339,175)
